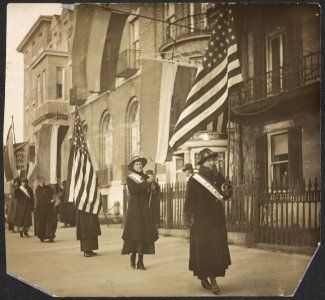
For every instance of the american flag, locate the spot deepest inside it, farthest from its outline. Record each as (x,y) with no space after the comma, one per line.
(219,71)
(82,187)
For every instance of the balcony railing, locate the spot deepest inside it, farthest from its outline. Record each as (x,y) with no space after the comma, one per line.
(277,81)
(128,63)
(193,24)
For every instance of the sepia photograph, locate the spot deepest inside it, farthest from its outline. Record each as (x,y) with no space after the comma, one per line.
(162,149)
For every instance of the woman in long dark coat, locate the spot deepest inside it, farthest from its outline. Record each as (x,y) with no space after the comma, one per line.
(140,232)
(45,219)
(24,207)
(12,206)
(204,213)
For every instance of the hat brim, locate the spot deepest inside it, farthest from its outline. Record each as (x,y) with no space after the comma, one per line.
(212,155)
(142,159)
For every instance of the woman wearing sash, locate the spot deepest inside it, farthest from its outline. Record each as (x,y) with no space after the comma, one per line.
(204,214)
(140,232)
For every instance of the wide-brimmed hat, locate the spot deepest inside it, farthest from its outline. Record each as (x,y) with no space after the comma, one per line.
(135,159)
(205,154)
(188,167)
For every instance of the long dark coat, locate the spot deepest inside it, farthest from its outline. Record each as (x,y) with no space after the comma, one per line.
(140,222)
(209,253)
(24,207)
(45,218)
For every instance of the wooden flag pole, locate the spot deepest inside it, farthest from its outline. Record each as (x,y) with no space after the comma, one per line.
(154,173)
(228,152)
(14,143)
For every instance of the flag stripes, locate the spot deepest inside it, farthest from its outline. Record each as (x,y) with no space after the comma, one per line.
(219,71)
(82,180)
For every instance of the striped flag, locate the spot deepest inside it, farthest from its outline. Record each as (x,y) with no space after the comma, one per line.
(219,71)
(10,160)
(82,183)
(168,83)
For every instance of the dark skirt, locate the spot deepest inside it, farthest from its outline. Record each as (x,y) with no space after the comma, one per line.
(88,230)
(133,246)
(89,244)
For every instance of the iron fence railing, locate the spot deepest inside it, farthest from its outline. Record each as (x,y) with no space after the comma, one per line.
(277,81)
(193,24)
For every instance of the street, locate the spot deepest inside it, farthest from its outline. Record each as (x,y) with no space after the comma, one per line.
(60,269)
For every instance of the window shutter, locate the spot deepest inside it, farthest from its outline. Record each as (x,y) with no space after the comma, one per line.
(261,158)
(295,156)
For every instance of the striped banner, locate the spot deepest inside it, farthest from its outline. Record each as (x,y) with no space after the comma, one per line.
(220,70)
(82,183)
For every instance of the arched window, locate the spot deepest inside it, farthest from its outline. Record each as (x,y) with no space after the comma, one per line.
(133,128)
(107,141)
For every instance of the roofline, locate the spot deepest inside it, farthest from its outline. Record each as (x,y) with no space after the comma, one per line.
(30,33)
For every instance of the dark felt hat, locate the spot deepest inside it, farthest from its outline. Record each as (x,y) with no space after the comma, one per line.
(188,167)
(135,159)
(205,154)
(24,180)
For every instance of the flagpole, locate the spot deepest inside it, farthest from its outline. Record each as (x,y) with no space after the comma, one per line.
(14,143)
(228,137)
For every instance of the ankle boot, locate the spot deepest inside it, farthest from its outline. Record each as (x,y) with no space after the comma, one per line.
(140,264)
(132,260)
(21,234)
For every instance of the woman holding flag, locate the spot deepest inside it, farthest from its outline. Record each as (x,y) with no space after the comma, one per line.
(140,232)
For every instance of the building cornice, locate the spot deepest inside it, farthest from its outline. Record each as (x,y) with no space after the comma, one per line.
(31,32)
(45,53)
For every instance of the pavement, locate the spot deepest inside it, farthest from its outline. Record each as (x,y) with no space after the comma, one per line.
(60,269)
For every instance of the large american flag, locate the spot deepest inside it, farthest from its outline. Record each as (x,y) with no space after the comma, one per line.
(219,71)
(82,186)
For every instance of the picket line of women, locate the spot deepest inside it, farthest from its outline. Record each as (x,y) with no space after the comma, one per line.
(203,214)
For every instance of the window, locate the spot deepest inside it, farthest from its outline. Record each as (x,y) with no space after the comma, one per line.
(44,92)
(107,141)
(134,128)
(278,159)
(275,62)
(170,17)
(134,26)
(39,90)
(59,82)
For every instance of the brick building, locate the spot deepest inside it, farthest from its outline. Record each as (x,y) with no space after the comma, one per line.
(275,122)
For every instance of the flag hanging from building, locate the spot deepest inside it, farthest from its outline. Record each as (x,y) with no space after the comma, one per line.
(164,87)
(219,71)
(82,185)
(10,161)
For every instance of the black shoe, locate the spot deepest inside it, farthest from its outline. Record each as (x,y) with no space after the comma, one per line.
(21,234)
(26,234)
(215,288)
(89,254)
(206,284)
(140,265)
(41,240)
(93,253)
(132,260)
(51,241)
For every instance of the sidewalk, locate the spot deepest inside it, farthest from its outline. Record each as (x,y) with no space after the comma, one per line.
(60,268)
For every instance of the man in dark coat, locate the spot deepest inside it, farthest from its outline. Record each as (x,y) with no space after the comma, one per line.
(204,214)
(68,212)
(45,219)
(25,205)
(140,231)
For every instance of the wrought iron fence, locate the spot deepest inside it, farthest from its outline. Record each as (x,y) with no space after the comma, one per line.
(290,216)
(279,215)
